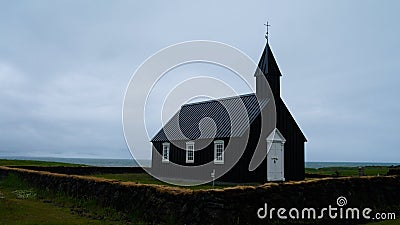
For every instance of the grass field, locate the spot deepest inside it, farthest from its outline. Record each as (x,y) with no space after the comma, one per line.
(331,171)
(21,204)
(349,171)
(7,162)
(144,178)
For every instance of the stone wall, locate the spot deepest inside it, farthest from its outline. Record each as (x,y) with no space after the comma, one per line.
(394,170)
(236,205)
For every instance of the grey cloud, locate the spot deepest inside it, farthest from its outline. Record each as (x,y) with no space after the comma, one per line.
(64,68)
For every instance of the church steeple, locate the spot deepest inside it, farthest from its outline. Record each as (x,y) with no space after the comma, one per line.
(268,66)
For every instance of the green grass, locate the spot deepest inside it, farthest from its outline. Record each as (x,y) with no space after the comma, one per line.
(42,207)
(7,162)
(349,171)
(144,178)
(32,211)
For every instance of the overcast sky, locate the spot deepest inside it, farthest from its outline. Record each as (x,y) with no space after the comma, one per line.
(65,65)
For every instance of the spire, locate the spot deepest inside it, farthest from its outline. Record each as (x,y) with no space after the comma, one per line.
(267,63)
(270,69)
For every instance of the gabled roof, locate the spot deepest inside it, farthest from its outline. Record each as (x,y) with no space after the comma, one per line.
(184,125)
(276,135)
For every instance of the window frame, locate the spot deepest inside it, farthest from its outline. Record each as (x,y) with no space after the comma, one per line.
(189,144)
(165,146)
(216,144)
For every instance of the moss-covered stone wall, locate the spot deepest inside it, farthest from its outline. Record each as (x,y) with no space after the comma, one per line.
(236,205)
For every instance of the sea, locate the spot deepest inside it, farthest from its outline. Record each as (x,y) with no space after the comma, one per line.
(146,162)
(87,161)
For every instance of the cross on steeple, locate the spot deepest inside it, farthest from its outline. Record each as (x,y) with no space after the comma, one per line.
(267,25)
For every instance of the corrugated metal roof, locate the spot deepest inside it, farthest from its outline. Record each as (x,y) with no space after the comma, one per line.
(226,117)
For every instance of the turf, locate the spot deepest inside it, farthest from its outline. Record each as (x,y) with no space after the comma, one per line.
(32,211)
(21,204)
(144,178)
(7,162)
(349,171)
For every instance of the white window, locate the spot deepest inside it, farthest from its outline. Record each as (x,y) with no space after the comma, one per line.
(190,152)
(219,152)
(165,152)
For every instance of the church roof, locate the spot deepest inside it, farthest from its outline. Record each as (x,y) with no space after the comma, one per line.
(186,123)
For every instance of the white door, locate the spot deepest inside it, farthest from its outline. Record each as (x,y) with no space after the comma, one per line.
(275,162)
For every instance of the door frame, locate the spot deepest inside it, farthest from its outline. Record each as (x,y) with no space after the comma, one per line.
(276,137)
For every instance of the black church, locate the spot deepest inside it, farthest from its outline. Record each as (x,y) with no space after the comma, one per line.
(283,142)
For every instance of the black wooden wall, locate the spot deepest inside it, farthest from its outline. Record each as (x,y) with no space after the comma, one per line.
(293,151)
(294,146)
